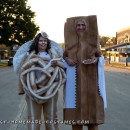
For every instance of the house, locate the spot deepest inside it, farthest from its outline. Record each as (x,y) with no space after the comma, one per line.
(121,51)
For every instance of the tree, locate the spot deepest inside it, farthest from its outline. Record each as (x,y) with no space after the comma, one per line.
(17,22)
(103,40)
(114,40)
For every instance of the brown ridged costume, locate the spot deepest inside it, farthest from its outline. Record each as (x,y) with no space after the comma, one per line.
(82,46)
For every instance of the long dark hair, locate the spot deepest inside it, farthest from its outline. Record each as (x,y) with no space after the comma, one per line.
(34,46)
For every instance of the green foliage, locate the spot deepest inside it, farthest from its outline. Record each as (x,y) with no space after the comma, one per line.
(103,40)
(17,22)
(114,40)
(3,64)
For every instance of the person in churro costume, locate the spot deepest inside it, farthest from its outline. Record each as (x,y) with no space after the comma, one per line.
(87,93)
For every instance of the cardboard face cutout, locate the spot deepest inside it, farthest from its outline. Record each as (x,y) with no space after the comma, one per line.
(80,25)
(81,37)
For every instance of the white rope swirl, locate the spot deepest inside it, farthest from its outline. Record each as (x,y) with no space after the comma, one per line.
(39,79)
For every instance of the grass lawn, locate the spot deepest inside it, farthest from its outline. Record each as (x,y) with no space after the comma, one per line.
(3,64)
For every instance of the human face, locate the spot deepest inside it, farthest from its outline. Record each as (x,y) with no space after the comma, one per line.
(80,26)
(42,44)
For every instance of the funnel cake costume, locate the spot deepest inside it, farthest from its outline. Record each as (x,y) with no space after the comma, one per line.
(41,82)
(85,94)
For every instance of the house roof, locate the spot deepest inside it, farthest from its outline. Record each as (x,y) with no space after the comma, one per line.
(116,46)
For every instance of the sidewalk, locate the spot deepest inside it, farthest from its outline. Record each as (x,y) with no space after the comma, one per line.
(118,65)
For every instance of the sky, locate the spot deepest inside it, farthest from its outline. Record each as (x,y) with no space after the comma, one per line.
(112,15)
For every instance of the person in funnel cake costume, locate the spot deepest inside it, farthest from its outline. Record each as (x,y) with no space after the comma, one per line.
(41,74)
(85,94)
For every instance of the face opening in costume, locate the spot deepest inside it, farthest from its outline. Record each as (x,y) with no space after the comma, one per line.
(80,26)
(42,44)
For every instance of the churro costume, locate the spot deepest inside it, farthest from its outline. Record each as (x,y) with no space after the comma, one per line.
(88,108)
(41,82)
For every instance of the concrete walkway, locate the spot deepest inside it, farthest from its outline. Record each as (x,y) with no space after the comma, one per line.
(13,106)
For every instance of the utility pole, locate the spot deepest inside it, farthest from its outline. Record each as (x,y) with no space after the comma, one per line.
(126,51)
